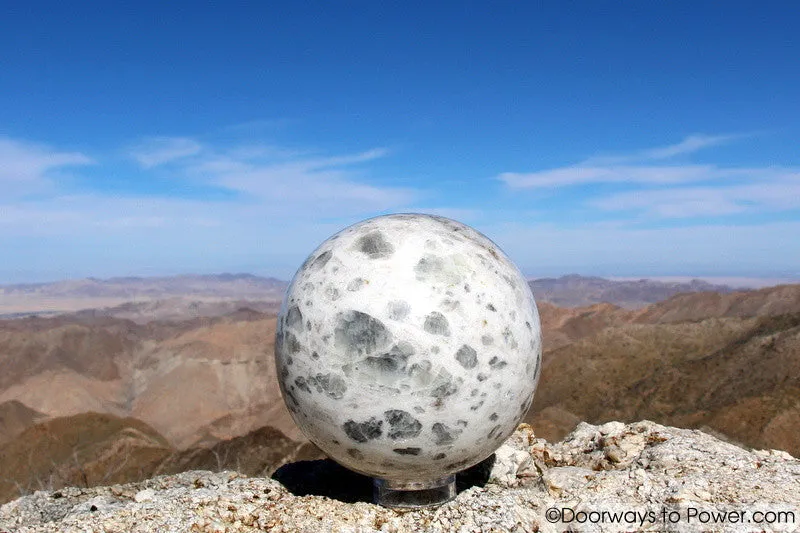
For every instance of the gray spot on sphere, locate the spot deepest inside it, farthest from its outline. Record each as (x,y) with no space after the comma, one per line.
(321,260)
(363,431)
(467,356)
(407,451)
(445,389)
(450,305)
(394,360)
(300,381)
(398,309)
(332,385)
(437,324)
(458,464)
(421,373)
(359,334)
(332,293)
(356,284)
(355,454)
(487,340)
(294,318)
(444,434)
(375,245)
(508,337)
(291,397)
(402,425)
(292,344)
(428,266)
(496,362)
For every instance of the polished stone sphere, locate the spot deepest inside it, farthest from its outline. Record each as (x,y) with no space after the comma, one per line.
(408,347)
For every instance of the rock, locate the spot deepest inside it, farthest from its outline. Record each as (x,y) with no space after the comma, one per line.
(144,495)
(643,474)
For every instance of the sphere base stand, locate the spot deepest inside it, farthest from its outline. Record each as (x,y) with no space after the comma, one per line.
(414,494)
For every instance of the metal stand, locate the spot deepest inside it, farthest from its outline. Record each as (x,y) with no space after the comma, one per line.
(414,495)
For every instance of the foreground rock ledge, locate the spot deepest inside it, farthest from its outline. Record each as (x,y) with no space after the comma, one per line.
(613,468)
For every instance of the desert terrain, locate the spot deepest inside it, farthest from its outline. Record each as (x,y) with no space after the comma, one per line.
(178,373)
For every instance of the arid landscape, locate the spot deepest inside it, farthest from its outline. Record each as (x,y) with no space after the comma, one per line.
(178,373)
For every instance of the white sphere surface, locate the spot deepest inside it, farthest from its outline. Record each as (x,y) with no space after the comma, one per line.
(408,347)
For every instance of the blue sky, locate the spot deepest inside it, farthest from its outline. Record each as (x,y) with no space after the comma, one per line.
(607,138)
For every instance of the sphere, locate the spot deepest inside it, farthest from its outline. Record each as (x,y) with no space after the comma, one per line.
(408,347)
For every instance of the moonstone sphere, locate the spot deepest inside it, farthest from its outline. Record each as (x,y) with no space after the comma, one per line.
(408,347)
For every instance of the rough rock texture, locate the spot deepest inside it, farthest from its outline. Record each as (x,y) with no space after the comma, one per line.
(614,468)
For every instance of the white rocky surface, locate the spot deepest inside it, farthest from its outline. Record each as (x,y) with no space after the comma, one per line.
(408,347)
(685,477)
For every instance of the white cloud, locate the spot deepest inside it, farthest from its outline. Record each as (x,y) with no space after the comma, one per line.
(75,215)
(618,169)
(161,150)
(770,193)
(689,145)
(673,191)
(24,167)
(275,188)
(321,185)
(582,175)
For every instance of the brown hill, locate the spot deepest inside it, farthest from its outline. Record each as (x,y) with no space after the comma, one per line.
(684,307)
(258,453)
(565,325)
(215,374)
(179,309)
(99,449)
(16,417)
(740,377)
(84,450)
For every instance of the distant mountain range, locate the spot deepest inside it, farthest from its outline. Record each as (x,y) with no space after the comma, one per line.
(185,294)
(577,291)
(188,296)
(215,285)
